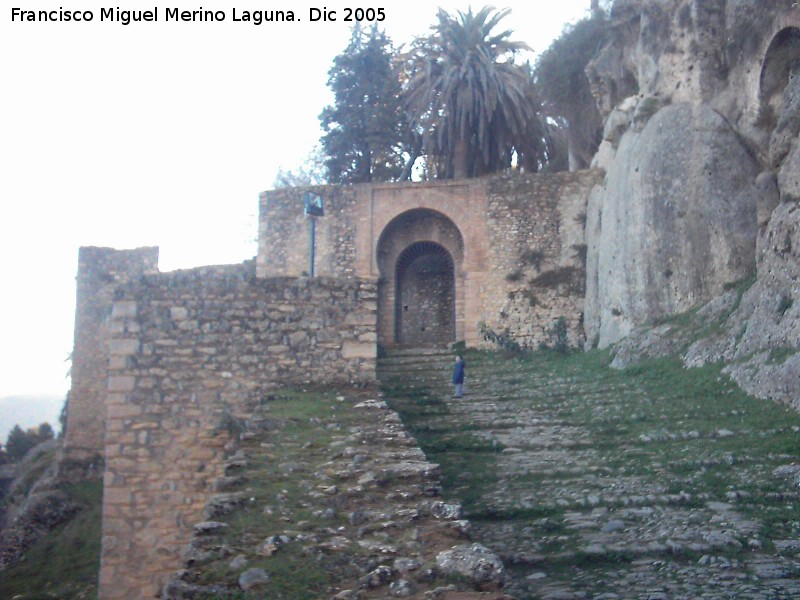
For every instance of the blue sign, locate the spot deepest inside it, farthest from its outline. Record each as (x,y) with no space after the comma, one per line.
(312,205)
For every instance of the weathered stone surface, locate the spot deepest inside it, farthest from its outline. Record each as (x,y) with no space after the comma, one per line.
(443,510)
(395,524)
(761,339)
(401,588)
(500,233)
(475,562)
(222,504)
(356,349)
(784,136)
(253,579)
(209,528)
(195,366)
(789,175)
(612,526)
(677,221)
(775,320)
(535,277)
(613,73)
(605,501)
(377,578)
(644,343)
(739,61)
(35,503)
(773,380)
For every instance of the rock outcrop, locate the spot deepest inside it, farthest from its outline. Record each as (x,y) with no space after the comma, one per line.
(761,339)
(37,501)
(702,187)
(676,221)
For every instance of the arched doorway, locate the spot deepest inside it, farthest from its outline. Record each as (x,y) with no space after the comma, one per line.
(421,291)
(425,309)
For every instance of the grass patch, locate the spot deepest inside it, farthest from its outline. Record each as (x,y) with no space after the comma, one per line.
(286,474)
(778,356)
(653,437)
(65,563)
(32,474)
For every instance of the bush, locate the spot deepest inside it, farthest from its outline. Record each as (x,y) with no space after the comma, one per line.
(560,71)
(572,278)
(557,337)
(503,340)
(19,442)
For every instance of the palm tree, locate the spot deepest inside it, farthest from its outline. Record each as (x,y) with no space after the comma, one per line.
(472,104)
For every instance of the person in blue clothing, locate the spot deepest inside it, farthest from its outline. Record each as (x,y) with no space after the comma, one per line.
(458,377)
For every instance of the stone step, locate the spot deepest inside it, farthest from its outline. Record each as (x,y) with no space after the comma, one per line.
(412,379)
(423,364)
(556,501)
(418,351)
(406,375)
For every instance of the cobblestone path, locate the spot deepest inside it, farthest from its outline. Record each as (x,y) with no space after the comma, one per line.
(652,483)
(326,496)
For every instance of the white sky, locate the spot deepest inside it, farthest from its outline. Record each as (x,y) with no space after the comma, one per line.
(159,134)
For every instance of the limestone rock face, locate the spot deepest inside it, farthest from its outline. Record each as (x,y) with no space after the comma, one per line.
(675,222)
(727,53)
(789,175)
(762,337)
(701,100)
(775,319)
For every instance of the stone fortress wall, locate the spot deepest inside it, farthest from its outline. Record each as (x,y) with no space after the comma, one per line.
(537,254)
(189,354)
(165,364)
(516,242)
(100,272)
(697,184)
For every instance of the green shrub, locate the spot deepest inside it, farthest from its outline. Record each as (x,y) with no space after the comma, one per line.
(557,340)
(504,340)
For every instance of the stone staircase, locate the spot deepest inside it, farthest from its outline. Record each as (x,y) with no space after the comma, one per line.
(575,516)
(428,366)
(328,496)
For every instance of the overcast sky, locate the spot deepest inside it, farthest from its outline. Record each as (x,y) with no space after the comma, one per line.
(159,134)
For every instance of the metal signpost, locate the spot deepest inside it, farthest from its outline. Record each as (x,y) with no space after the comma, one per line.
(312,208)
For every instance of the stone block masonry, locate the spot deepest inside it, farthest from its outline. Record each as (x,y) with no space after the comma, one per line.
(192,353)
(516,243)
(537,251)
(167,365)
(100,272)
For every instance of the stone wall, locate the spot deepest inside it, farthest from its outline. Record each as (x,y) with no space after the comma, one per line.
(166,364)
(100,271)
(284,233)
(537,254)
(193,352)
(516,242)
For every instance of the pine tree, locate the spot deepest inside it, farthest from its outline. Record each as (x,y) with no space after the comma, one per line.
(19,442)
(364,129)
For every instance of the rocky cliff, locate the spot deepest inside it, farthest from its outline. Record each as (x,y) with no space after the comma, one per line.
(701,102)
